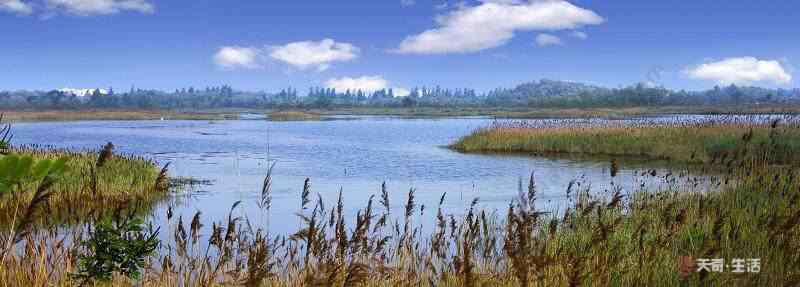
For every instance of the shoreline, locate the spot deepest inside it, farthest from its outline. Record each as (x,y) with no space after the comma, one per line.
(507,113)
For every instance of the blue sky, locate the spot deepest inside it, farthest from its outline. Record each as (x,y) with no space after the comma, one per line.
(268,45)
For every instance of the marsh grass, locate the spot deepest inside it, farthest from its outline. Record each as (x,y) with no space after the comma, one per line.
(682,142)
(99,114)
(294,116)
(538,113)
(93,184)
(616,237)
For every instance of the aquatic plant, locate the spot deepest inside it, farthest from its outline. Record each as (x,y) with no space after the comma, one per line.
(679,140)
(5,136)
(91,184)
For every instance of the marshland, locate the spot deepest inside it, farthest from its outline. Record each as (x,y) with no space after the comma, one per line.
(387,201)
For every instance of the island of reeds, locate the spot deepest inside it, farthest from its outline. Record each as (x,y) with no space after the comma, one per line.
(294,116)
(679,140)
(640,237)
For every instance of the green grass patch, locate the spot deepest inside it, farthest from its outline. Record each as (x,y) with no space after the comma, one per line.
(85,190)
(690,143)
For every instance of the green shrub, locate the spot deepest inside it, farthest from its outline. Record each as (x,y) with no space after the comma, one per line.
(16,171)
(119,246)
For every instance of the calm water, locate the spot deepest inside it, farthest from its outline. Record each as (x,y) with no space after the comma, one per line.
(355,155)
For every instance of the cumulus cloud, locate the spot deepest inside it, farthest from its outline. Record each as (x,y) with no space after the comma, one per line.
(364,83)
(543,40)
(742,70)
(493,23)
(16,6)
(580,35)
(301,55)
(401,92)
(234,57)
(310,54)
(100,7)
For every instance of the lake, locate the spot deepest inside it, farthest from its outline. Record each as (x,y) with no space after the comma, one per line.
(354,154)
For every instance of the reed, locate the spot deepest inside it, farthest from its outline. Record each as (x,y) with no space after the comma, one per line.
(680,141)
(294,116)
(93,184)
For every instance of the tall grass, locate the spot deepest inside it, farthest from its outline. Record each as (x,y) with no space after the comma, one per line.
(682,141)
(294,116)
(616,238)
(93,184)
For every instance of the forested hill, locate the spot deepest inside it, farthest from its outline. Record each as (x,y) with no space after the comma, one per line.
(536,94)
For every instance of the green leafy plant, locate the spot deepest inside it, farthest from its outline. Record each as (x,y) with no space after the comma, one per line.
(116,246)
(5,136)
(17,170)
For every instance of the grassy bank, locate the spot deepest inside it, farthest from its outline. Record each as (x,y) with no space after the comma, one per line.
(693,142)
(533,112)
(87,189)
(73,115)
(315,113)
(294,116)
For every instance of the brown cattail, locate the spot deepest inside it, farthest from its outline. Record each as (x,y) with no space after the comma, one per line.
(162,181)
(614,167)
(105,154)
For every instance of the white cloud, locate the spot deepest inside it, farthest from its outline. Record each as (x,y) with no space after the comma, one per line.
(742,70)
(401,92)
(233,57)
(100,7)
(407,3)
(319,55)
(503,1)
(543,40)
(580,35)
(364,83)
(16,6)
(493,23)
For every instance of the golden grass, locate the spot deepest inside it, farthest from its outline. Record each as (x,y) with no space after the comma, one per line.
(294,116)
(91,114)
(693,143)
(533,112)
(313,114)
(76,197)
(617,238)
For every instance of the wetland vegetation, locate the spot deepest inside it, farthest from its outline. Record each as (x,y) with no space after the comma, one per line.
(617,237)
(90,183)
(294,116)
(692,141)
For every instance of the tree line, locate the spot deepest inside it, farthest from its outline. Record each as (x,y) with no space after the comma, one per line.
(536,94)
